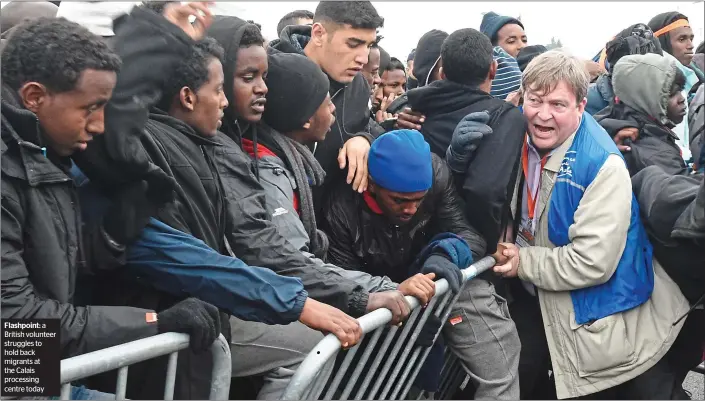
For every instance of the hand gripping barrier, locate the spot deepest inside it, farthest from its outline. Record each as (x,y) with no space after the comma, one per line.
(121,356)
(391,373)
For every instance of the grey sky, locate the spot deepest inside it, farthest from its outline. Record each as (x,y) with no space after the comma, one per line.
(582,27)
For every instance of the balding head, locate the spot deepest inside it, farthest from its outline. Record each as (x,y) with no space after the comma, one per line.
(17,11)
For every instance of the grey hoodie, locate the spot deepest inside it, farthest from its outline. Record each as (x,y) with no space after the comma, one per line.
(643,82)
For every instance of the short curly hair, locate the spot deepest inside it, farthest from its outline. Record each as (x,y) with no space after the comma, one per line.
(54,52)
(251,36)
(357,14)
(467,56)
(192,71)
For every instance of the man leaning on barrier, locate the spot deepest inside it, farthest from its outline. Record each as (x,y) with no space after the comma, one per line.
(54,101)
(411,219)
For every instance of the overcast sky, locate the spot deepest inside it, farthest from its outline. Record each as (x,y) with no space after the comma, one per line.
(582,27)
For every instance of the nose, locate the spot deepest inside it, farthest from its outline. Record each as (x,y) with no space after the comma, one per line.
(544,113)
(223,102)
(521,45)
(261,88)
(376,79)
(96,123)
(411,208)
(363,57)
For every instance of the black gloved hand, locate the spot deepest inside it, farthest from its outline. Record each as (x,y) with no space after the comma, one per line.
(198,319)
(130,212)
(429,330)
(444,268)
(467,136)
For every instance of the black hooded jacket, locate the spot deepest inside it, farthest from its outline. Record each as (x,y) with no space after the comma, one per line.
(351,104)
(488,184)
(656,145)
(673,211)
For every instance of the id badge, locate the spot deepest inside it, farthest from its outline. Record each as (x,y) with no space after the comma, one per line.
(524,238)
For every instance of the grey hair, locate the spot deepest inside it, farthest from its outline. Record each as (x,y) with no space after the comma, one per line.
(549,69)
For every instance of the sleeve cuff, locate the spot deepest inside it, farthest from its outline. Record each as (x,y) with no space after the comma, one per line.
(358,302)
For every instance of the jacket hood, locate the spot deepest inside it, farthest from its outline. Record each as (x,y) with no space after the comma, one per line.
(228,30)
(636,39)
(292,39)
(444,96)
(629,76)
(428,54)
(662,20)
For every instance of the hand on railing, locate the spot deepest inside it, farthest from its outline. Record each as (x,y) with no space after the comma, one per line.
(419,286)
(328,319)
(200,320)
(392,300)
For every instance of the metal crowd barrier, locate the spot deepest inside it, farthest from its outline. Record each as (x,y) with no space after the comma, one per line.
(391,373)
(121,356)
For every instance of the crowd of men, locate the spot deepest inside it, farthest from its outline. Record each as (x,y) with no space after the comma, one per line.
(176,172)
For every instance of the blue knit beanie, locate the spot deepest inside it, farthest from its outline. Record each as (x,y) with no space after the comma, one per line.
(493,22)
(400,161)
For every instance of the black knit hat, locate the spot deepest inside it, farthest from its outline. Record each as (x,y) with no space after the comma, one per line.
(526,54)
(297,88)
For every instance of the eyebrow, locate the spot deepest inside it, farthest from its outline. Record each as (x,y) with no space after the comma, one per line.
(249,70)
(397,198)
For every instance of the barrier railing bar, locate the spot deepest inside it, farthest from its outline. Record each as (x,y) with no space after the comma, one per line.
(170,376)
(122,355)
(468,274)
(373,320)
(412,343)
(121,383)
(361,363)
(320,382)
(342,370)
(377,361)
(66,391)
(391,358)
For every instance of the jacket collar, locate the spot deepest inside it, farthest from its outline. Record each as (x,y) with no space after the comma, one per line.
(371,203)
(548,180)
(20,128)
(180,126)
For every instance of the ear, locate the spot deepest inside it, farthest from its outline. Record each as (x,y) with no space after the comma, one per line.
(442,73)
(493,70)
(581,105)
(307,124)
(187,98)
(33,96)
(318,32)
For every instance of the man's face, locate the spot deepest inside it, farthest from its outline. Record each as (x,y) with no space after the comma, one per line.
(377,97)
(249,87)
(345,50)
(209,102)
(512,38)
(371,70)
(675,111)
(69,120)
(394,82)
(398,207)
(553,116)
(682,44)
(322,120)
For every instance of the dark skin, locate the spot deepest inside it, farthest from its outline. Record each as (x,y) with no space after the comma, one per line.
(318,126)
(249,87)
(203,109)
(512,39)
(69,120)
(371,70)
(399,208)
(394,82)
(675,111)
(682,44)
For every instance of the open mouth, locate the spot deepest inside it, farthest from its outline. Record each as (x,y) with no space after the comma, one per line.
(543,130)
(258,105)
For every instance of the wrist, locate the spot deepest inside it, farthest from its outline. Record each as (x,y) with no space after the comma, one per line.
(357,304)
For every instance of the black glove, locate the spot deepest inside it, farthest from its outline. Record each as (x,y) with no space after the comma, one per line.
(444,268)
(130,212)
(429,330)
(467,136)
(198,319)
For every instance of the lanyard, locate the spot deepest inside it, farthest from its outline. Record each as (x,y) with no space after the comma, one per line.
(531,197)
